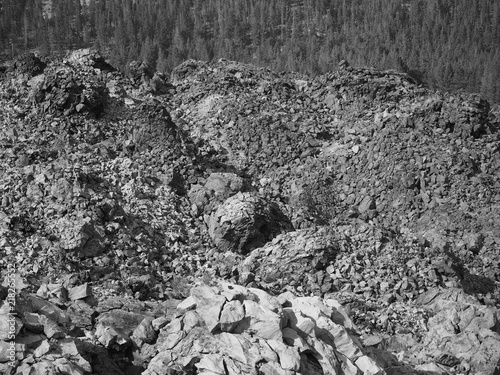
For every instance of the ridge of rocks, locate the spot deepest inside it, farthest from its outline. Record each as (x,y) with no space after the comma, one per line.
(359,202)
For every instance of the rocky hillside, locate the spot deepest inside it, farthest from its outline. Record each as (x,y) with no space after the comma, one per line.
(233,220)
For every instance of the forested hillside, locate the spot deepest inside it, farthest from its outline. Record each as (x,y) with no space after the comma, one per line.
(449,44)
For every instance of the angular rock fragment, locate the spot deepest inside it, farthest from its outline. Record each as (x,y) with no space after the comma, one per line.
(80,292)
(51,329)
(232,314)
(111,337)
(42,349)
(144,333)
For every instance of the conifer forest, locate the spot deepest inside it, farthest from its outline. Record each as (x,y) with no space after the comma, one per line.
(446,44)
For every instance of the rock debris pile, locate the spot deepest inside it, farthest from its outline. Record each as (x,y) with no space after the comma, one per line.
(341,224)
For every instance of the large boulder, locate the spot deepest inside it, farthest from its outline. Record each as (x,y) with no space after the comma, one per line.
(81,237)
(245,222)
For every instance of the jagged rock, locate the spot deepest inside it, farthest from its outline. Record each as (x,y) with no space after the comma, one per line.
(32,322)
(461,330)
(217,188)
(245,222)
(48,291)
(42,349)
(294,259)
(122,320)
(81,314)
(51,329)
(231,316)
(140,70)
(80,292)
(81,237)
(112,338)
(260,334)
(144,333)
(5,348)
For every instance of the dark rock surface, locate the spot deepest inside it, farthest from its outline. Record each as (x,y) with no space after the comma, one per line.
(245,222)
(357,211)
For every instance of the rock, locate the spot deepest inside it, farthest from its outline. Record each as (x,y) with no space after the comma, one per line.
(32,322)
(254,333)
(112,338)
(368,365)
(29,64)
(5,352)
(48,309)
(261,321)
(232,314)
(160,322)
(42,349)
(289,357)
(224,184)
(461,328)
(81,314)
(43,367)
(245,222)
(209,306)
(358,185)
(51,329)
(66,367)
(140,70)
(289,257)
(80,292)
(80,236)
(217,188)
(144,333)
(123,321)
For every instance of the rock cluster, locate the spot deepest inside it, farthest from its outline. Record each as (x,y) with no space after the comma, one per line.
(29,65)
(234,330)
(63,328)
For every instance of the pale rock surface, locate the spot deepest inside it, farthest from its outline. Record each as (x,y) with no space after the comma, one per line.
(258,334)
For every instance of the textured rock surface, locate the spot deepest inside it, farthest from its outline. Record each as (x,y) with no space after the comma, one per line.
(293,261)
(118,194)
(287,334)
(245,222)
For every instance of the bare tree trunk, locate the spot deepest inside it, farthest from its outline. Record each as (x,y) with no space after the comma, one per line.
(25,30)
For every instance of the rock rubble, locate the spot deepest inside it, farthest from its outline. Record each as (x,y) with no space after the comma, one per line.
(345,223)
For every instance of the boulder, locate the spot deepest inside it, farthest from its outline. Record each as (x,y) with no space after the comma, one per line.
(246,221)
(217,188)
(295,259)
(81,237)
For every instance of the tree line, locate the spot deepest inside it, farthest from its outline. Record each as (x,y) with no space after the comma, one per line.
(448,44)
